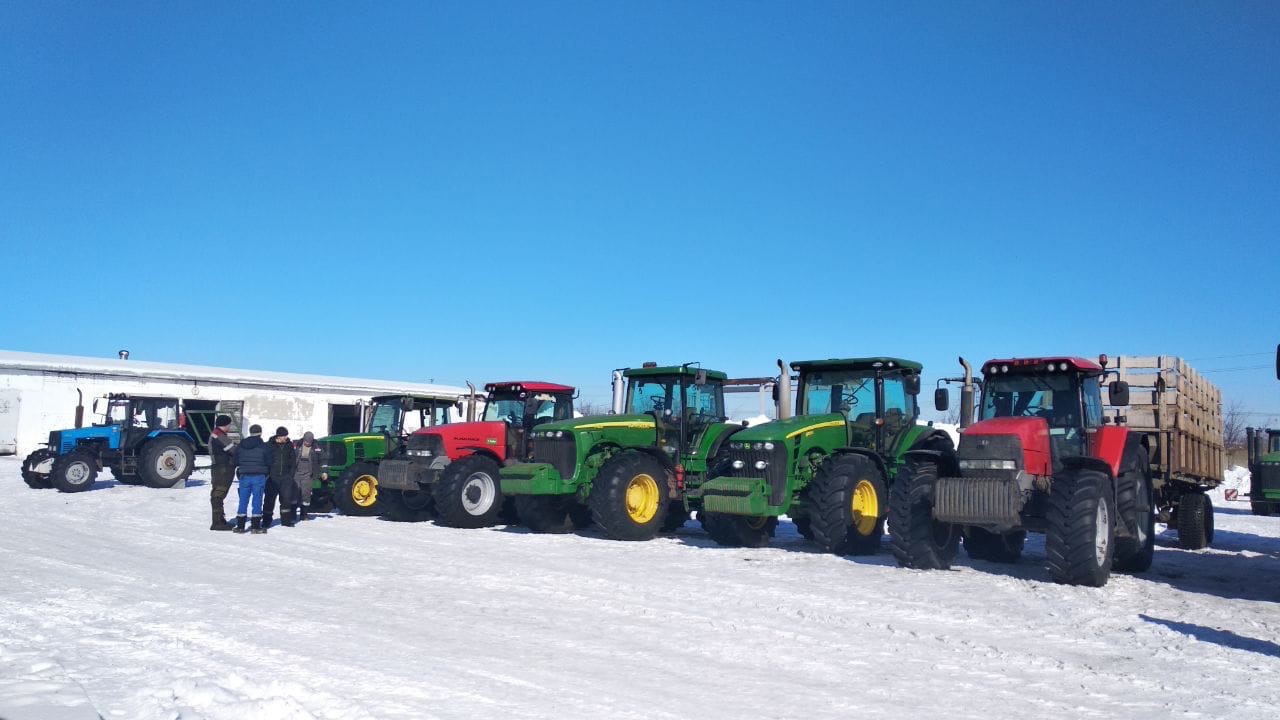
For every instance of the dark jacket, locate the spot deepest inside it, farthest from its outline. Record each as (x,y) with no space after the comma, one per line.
(252,457)
(222,449)
(280,460)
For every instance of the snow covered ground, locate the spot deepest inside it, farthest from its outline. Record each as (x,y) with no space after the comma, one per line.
(119,603)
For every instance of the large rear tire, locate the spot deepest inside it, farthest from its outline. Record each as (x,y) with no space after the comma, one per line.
(74,472)
(547,513)
(629,497)
(1195,521)
(739,530)
(847,506)
(468,494)
(996,547)
(166,461)
(1080,541)
(676,517)
(1134,554)
(917,540)
(37,468)
(356,492)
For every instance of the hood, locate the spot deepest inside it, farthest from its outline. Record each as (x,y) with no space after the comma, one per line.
(252,442)
(480,430)
(776,430)
(600,422)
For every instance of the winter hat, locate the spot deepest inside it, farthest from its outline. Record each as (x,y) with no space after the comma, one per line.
(282,431)
(308,435)
(255,429)
(222,421)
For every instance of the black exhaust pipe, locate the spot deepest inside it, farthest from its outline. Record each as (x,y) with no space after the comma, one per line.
(966,395)
(80,408)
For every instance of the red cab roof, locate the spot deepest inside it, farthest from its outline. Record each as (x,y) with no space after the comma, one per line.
(1040,364)
(530,386)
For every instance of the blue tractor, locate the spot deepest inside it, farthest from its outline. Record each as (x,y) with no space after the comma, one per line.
(142,441)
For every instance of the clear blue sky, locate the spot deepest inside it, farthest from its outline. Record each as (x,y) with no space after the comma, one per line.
(458,191)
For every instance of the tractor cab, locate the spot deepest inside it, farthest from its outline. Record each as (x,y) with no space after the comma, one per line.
(876,397)
(522,406)
(138,416)
(399,415)
(683,400)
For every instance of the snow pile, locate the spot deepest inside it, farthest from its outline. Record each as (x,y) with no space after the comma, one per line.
(1236,478)
(754,420)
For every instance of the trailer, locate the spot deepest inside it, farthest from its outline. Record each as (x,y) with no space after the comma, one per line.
(1178,412)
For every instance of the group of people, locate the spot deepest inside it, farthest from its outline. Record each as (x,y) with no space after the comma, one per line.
(268,470)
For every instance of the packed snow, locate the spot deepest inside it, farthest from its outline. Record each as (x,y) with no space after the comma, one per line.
(120,603)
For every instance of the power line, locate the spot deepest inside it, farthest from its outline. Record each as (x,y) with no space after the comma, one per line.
(1224,357)
(1237,369)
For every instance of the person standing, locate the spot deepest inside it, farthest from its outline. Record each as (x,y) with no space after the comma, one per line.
(252,465)
(307,459)
(280,479)
(222,455)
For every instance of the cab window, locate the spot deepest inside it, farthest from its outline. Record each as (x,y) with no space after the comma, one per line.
(899,411)
(1092,402)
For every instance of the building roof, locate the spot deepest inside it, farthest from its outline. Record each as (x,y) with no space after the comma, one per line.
(112,367)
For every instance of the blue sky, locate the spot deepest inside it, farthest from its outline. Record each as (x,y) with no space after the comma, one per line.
(458,191)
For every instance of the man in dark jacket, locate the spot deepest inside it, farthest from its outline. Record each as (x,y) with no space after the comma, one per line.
(222,449)
(280,479)
(252,465)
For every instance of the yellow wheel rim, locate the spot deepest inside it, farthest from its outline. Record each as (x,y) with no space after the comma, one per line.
(642,498)
(364,491)
(866,507)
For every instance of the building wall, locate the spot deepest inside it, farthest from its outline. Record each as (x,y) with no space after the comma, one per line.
(46,401)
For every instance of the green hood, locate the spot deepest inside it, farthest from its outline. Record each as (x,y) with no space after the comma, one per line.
(599,422)
(776,430)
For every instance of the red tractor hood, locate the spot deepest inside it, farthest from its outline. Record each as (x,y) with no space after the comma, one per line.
(1032,433)
(462,439)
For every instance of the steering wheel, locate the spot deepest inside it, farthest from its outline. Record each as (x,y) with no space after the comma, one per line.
(659,404)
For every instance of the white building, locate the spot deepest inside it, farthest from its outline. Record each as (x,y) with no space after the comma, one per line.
(39,393)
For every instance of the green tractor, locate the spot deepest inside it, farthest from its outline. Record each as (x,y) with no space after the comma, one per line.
(829,467)
(1263,447)
(624,472)
(349,477)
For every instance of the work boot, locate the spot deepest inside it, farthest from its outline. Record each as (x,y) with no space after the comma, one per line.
(286,518)
(219,522)
(258,528)
(239,524)
(302,514)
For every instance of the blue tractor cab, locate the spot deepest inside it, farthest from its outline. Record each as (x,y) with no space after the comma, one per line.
(142,440)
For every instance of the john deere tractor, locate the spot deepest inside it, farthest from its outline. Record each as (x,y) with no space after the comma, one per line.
(624,472)
(350,473)
(141,440)
(1264,470)
(829,467)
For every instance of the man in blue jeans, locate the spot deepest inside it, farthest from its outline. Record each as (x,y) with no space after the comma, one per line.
(252,465)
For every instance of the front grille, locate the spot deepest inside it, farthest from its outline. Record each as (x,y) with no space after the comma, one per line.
(561,453)
(426,441)
(775,473)
(978,500)
(335,453)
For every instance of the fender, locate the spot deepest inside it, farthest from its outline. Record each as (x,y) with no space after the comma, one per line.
(487,452)
(1129,461)
(946,460)
(933,439)
(715,447)
(1085,462)
(173,433)
(871,455)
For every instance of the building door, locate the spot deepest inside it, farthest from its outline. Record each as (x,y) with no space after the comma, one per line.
(8,422)
(344,419)
(200,415)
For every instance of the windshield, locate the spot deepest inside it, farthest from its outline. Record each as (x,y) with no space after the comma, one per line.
(153,413)
(851,392)
(647,394)
(385,418)
(536,408)
(1056,398)
(1275,442)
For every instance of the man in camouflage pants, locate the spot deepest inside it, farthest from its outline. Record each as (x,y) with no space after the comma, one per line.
(222,453)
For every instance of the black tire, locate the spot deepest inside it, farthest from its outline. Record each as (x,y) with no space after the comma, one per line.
(1263,508)
(321,501)
(166,461)
(629,498)
(118,474)
(739,530)
(1134,554)
(37,469)
(356,492)
(843,482)
(1080,540)
(406,505)
(74,472)
(509,516)
(804,526)
(916,539)
(1195,521)
(547,513)
(468,494)
(676,517)
(1005,547)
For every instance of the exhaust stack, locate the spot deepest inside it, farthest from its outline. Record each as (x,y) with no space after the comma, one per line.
(80,408)
(619,393)
(966,395)
(1251,450)
(783,401)
(471,402)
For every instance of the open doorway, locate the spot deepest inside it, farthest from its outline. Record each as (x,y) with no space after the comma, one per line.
(200,415)
(344,419)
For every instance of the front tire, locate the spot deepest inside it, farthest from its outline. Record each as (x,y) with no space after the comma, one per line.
(74,472)
(629,497)
(547,513)
(916,539)
(1080,541)
(739,530)
(468,494)
(1195,521)
(165,462)
(37,469)
(356,492)
(847,504)
(406,505)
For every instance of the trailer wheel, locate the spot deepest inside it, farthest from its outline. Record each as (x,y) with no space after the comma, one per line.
(74,472)
(468,494)
(547,513)
(739,530)
(165,462)
(356,492)
(1195,521)
(629,497)
(982,544)
(847,506)
(406,505)
(916,539)
(1080,540)
(37,468)
(1134,554)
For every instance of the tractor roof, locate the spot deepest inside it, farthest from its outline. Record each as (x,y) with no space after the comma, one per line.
(530,385)
(863,363)
(428,398)
(1043,364)
(672,370)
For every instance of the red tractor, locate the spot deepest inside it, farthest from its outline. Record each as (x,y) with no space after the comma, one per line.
(451,471)
(1041,457)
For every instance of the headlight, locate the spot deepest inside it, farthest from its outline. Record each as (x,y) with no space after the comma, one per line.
(1062,366)
(736,446)
(559,433)
(760,464)
(988,465)
(668,450)
(768,446)
(738,464)
(420,453)
(758,446)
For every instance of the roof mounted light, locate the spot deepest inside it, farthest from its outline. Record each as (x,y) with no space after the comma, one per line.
(650,364)
(1102,359)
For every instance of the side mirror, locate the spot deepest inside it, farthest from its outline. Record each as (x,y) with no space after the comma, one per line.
(911,384)
(408,403)
(95,405)
(1118,391)
(941,399)
(1278,362)
(775,393)
(700,378)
